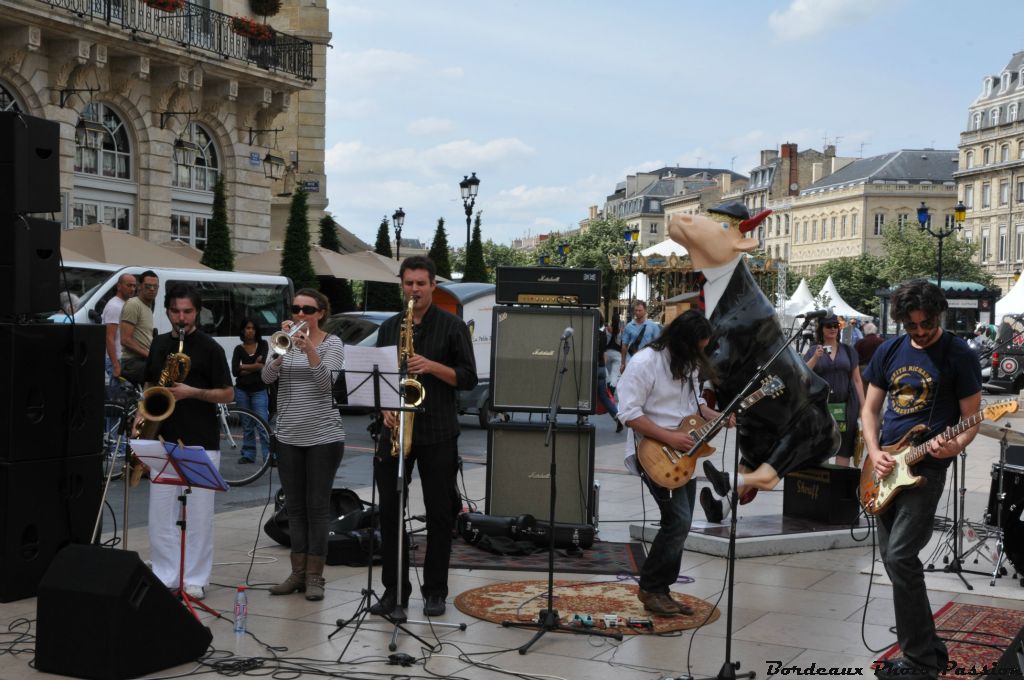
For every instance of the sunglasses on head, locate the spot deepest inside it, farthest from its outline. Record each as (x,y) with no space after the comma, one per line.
(305,309)
(926,325)
(831,325)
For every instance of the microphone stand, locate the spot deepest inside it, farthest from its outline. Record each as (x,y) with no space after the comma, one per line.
(729,667)
(548,619)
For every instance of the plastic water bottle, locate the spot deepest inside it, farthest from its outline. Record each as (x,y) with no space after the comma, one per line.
(241,609)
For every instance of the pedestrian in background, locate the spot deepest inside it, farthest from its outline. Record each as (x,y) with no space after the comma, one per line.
(250,391)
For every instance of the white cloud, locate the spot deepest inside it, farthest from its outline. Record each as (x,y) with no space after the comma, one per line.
(429,126)
(350,13)
(805,18)
(356,158)
(452,72)
(351,108)
(644,166)
(371,66)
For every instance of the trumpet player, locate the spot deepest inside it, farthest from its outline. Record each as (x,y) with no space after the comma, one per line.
(193,421)
(310,435)
(442,362)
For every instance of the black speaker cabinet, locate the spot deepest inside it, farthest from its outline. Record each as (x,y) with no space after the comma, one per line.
(526,349)
(29,164)
(44,505)
(827,493)
(51,399)
(102,614)
(519,472)
(29,271)
(1015,455)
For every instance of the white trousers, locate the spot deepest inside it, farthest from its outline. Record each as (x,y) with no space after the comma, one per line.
(165,534)
(612,359)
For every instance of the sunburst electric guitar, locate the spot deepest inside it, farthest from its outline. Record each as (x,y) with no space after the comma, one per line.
(670,468)
(876,493)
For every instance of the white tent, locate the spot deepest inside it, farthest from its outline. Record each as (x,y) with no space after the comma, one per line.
(837,304)
(1012,302)
(800,301)
(665,248)
(641,288)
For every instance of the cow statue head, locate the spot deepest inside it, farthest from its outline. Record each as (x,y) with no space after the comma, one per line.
(716,238)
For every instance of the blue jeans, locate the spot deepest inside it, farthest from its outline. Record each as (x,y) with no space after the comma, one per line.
(307,475)
(903,531)
(602,393)
(661,568)
(258,403)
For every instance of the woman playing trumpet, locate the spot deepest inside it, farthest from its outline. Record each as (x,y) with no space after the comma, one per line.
(310,436)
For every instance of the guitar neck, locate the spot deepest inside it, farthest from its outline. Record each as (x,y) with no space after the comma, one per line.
(916,454)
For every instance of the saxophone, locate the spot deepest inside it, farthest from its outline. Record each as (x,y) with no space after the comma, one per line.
(411,389)
(157,403)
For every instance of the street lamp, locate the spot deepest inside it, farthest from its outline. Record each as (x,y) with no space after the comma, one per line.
(632,237)
(398,219)
(924,219)
(469,187)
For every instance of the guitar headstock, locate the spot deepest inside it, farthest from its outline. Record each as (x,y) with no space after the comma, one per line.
(1000,409)
(773,386)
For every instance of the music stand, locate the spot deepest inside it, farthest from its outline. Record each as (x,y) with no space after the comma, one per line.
(187,467)
(367,362)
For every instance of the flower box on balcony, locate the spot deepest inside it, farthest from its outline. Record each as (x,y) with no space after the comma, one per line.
(265,8)
(251,29)
(166,5)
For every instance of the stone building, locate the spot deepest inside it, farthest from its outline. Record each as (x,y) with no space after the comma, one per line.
(157,98)
(842,215)
(990,178)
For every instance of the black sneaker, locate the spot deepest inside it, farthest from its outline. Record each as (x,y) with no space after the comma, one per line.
(433,606)
(618,426)
(719,480)
(712,506)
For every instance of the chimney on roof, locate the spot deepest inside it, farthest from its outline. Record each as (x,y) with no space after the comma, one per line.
(768,155)
(592,212)
(830,150)
(789,150)
(725,180)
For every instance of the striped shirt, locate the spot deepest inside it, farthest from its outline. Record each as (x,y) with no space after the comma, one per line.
(442,337)
(305,412)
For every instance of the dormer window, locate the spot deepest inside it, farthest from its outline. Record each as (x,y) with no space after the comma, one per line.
(994,116)
(976,121)
(1004,81)
(1020,79)
(988,86)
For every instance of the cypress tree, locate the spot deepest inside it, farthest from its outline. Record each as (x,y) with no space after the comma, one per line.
(218,254)
(338,291)
(439,251)
(380,296)
(476,269)
(295,262)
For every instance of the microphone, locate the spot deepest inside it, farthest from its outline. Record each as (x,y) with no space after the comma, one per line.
(816,314)
(567,333)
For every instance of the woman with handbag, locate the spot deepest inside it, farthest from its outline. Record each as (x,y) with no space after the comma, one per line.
(837,363)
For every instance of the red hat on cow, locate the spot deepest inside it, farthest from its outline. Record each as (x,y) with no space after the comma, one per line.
(738,213)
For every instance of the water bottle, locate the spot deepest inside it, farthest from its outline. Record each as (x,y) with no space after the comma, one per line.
(241,609)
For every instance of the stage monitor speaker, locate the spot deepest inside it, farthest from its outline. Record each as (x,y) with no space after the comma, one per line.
(29,266)
(29,164)
(525,351)
(102,614)
(519,472)
(44,505)
(53,406)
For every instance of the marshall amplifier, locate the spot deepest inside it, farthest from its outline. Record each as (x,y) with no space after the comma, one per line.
(556,286)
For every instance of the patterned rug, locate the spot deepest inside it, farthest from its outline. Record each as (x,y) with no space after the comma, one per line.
(523,601)
(975,635)
(604,557)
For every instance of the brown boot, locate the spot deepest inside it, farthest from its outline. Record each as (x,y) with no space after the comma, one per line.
(315,577)
(296,581)
(658,603)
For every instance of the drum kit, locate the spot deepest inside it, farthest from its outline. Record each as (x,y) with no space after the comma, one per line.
(1003,516)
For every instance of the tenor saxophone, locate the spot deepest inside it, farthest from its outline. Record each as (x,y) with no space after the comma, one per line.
(411,388)
(157,403)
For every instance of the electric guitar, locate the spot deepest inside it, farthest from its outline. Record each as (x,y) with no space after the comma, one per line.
(876,493)
(670,468)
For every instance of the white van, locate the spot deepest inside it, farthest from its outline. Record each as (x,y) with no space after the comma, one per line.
(228,297)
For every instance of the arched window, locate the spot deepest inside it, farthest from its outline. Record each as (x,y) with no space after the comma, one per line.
(105,152)
(1004,81)
(7,100)
(201,173)
(1011,112)
(986,155)
(976,121)
(969,160)
(1004,153)
(994,116)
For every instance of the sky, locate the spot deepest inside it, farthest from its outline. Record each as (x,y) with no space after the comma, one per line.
(552,102)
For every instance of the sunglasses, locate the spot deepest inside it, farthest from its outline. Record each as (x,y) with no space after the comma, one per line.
(151,286)
(305,309)
(926,325)
(831,325)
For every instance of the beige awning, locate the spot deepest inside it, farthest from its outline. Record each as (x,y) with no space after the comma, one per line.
(104,244)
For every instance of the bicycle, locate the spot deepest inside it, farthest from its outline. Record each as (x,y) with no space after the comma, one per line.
(235,423)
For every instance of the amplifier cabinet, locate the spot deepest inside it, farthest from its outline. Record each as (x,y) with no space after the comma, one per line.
(519,472)
(526,349)
(827,493)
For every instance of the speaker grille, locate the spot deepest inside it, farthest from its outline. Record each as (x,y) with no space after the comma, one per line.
(525,353)
(519,466)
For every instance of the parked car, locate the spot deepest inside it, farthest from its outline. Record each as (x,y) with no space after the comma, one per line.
(1007,359)
(473,302)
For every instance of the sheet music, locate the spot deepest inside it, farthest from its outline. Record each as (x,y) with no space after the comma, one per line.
(173,463)
(154,455)
(359,363)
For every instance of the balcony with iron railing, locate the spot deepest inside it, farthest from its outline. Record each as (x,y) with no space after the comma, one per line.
(199,28)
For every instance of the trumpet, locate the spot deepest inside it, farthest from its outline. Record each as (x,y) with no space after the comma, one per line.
(282,342)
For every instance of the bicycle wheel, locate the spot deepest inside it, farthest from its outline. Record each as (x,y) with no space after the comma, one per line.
(115,439)
(244,446)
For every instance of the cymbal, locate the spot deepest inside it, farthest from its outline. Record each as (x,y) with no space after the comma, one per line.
(996,431)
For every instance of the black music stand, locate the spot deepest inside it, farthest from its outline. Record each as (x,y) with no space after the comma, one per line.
(187,467)
(548,619)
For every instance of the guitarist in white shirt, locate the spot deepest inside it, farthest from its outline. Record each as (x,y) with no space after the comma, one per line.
(932,378)
(656,390)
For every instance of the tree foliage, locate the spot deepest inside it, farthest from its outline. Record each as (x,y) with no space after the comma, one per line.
(439,251)
(476,269)
(295,262)
(910,253)
(218,254)
(329,234)
(338,291)
(381,296)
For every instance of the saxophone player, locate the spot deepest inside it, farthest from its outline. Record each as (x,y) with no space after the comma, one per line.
(194,423)
(443,363)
